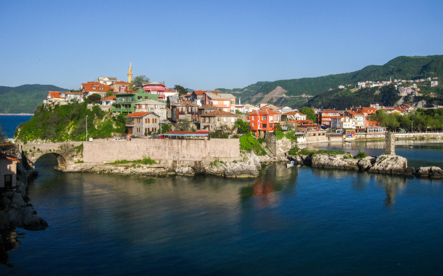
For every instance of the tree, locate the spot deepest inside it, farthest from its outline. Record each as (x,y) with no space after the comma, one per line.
(242,126)
(109,93)
(181,90)
(139,80)
(94,98)
(310,113)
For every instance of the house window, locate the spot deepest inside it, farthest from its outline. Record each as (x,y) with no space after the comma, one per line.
(263,125)
(253,118)
(263,118)
(232,119)
(227,103)
(149,121)
(146,120)
(253,124)
(225,119)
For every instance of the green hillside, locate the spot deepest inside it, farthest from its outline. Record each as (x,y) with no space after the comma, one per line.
(68,123)
(399,68)
(24,98)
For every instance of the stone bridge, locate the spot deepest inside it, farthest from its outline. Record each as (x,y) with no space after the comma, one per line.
(164,151)
(65,152)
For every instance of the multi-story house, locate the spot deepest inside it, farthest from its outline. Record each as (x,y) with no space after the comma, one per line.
(218,120)
(157,107)
(324,117)
(358,117)
(142,123)
(225,102)
(197,96)
(159,88)
(263,120)
(293,116)
(92,87)
(184,111)
(125,102)
(343,122)
(62,97)
(120,86)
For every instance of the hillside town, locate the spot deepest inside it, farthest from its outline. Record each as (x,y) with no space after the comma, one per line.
(152,105)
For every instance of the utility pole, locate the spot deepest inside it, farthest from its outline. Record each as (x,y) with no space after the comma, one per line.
(86,128)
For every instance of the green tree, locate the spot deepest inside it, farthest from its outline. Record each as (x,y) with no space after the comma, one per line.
(310,113)
(181,90)
(242,126)
(94,98)
(109,93)
(139,80)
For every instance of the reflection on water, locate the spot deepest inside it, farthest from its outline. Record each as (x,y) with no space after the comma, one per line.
(9,242)
(275,178)
(285,220)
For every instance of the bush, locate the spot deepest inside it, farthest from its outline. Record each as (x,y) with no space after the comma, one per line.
(248,143)
(360,155)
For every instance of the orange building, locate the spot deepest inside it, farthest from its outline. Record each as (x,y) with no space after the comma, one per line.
(263,120)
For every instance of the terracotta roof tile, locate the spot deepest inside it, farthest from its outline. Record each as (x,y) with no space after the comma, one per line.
(219,113)
(139,114)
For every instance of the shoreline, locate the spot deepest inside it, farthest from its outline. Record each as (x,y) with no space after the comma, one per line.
(16,114)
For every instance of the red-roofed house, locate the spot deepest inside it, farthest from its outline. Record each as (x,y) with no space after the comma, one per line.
(120,86)
(358,117)
(225,102)
(218,120)
(293,116)
(366,110)
(197,96)
(263,120)
(108,101)
(324,116)
(91,87)
(142,123)
(8,171)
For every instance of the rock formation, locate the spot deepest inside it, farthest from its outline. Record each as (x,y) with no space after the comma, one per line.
(429,172)
(391,164)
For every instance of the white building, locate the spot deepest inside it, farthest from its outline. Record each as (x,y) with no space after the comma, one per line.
(158,108)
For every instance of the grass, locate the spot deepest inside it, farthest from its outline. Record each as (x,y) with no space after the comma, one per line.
(296,151)
(144,161)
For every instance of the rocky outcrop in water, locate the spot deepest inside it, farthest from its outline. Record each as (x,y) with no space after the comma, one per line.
(391,164)
(429,172)
(15,210)
(331,161)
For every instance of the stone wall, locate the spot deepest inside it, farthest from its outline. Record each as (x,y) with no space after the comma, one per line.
(100,151)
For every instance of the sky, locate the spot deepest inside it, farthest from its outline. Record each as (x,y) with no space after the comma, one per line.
(204,45)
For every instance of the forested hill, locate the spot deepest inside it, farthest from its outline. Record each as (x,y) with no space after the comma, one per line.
(24,98)
(402,67)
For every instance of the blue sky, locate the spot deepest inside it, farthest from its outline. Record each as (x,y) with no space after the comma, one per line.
(209,44)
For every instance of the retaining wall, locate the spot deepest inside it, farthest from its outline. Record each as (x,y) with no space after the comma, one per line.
(100,151)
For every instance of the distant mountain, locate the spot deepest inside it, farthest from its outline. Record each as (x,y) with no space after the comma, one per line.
(298,91)
(24,98)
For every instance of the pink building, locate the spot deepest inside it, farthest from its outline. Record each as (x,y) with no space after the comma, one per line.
(155,88)
(225,102)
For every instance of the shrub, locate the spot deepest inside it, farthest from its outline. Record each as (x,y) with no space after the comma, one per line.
(360,155)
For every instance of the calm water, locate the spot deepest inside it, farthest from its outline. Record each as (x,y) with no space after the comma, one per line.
(419,154)
(286,222)
(10,122)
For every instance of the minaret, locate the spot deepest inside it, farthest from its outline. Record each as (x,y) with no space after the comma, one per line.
(130,73)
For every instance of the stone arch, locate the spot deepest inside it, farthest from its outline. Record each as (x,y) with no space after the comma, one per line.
(61,160)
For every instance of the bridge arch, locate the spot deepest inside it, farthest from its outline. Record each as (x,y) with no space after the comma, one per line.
(65,153)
